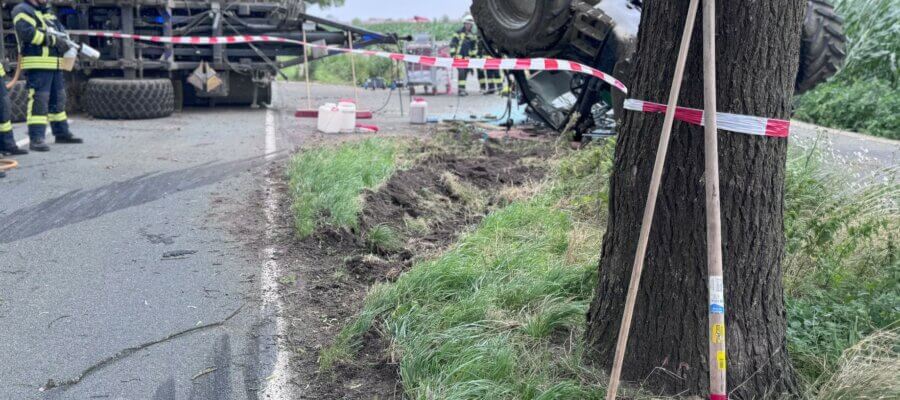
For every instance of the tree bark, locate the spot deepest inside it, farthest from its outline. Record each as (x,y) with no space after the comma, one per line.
(758,44)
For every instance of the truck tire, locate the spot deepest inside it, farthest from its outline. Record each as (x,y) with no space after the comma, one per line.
(18,101)
(109,98)
(822,46)
(522,27)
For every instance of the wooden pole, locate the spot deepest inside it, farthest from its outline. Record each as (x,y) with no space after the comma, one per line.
(717,358)
(353,68)
(306,69)
(650,208)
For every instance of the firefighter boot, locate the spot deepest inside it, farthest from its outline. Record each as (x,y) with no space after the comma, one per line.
(38,145)
(8,145)
(61,132)
(69,139)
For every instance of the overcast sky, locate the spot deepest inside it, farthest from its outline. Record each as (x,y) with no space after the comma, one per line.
(395,9)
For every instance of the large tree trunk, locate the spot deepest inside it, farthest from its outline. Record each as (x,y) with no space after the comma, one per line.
(758,46)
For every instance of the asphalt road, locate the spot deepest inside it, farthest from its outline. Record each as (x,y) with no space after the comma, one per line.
(131,266)
(127,240)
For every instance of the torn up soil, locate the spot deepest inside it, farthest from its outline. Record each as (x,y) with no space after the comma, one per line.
(416,214)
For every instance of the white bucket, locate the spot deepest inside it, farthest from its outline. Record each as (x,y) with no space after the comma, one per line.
(329,120)
(418,111)
(347,110)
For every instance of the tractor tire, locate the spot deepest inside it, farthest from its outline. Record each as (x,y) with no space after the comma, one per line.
(523,27)
(18,101)
(822,47)
(107,98)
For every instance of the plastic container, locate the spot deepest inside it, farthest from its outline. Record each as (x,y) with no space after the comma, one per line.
(329,120)
(347,110)
(68,59)
(418,111)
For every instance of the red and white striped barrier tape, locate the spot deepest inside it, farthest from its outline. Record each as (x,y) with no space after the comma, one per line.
(522,64)
(730,122)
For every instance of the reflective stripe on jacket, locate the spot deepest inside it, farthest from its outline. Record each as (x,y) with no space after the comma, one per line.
(37,48)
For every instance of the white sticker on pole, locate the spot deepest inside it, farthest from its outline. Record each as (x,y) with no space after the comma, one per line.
(716,295)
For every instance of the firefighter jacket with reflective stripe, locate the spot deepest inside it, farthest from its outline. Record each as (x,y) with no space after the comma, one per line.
(464,44)
(37,48)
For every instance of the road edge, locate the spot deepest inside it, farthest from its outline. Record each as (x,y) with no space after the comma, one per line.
(275,386)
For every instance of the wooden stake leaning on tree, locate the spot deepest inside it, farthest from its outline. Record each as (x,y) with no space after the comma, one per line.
(353,68)
(306,69)
(650,208)
(717,359)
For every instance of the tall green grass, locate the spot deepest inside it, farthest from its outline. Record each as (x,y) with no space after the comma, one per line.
(337,69)
(501,314)
(325,183)
(842,269)
(873,30)
(864,96)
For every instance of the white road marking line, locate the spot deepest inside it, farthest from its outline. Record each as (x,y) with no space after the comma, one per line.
(23,142)
(276,386)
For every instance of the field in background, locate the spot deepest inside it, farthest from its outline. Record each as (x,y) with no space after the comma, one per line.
(336,70)
(864,96)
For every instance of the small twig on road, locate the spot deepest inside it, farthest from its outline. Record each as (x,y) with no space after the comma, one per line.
(50,325)
(51,384)
(204,372)
(177,254)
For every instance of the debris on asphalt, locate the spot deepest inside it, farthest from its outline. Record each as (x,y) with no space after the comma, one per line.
(177,254)
(204,372)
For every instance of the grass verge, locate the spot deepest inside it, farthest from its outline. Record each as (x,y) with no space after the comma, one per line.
(326,183)
(842,268)
(501,314)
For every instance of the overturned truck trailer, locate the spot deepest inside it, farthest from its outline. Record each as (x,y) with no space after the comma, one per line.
(134,79)
(603,34)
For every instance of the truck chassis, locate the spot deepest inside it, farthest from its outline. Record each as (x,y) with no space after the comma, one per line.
(246,71)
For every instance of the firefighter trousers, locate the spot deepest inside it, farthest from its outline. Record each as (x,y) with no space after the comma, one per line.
(464,78)
(490,79)
(6,126)
(46,103)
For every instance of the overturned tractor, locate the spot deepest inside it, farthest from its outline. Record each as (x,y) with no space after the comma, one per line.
(603,34)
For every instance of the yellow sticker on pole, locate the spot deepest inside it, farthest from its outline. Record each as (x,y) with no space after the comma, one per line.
(717,335)
(720,357)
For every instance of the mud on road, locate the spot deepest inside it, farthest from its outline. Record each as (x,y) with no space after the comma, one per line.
(423,208)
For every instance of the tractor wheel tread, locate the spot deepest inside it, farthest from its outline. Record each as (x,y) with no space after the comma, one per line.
(823,46)
(106,98)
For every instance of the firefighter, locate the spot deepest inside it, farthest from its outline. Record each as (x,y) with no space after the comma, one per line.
(7,141)
(465,45)
(41,54)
